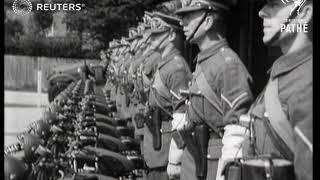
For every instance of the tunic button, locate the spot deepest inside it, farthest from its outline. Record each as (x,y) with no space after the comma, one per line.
(222,49)
(228,58)
(208,156)
(192,133)
(265,114)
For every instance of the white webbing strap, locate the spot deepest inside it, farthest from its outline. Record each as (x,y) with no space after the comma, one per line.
(276,116)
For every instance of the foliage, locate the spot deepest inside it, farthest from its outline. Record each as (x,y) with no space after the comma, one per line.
(49,47)
(42,19)
(103,20)
(107,19)
(13,28)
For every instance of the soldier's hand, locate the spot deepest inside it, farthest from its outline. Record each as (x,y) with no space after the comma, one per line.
(179,121)
(173,171)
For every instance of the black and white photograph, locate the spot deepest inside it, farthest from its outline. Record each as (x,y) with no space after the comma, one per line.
(158,90)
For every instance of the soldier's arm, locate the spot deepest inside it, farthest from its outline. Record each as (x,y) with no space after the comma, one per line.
(177,79)
(236,96)
(236,99)
(150,63)
(301,117)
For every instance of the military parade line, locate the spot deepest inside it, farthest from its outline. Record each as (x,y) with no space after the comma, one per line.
(142,114)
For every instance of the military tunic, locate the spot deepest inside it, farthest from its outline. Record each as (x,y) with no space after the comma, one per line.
(150,65)
(228,78)
(175,75)
(295,88)
(152,57)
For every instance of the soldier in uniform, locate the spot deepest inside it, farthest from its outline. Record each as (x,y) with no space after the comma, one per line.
(115,68)
(282,114)
(122,94)
(152,56)
(172,73)
(145,61)
(218,95)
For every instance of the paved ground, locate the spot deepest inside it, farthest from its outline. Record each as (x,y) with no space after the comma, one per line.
(20,109)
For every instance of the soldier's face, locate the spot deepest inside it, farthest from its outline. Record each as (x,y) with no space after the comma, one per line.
(274,14)
(102,55)
(157,40)
(114,52)
(190,22)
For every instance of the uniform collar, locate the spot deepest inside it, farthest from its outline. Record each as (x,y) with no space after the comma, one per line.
(168,58)
(290,61)
(149,53)
(211,51)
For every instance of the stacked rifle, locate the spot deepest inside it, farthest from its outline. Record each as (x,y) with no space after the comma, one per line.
(78,137)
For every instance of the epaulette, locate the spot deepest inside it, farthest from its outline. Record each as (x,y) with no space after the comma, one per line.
(176,57)
(227,54)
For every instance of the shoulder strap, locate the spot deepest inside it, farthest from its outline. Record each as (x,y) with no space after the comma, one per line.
(276,116)
(207,92)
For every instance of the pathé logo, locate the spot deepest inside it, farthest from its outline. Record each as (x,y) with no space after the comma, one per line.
(298,4)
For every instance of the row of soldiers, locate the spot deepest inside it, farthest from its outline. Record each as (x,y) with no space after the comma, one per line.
(187,125)
(206,124)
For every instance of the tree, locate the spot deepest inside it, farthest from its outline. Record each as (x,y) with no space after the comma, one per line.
(107,19)
(42,19)
(13,29)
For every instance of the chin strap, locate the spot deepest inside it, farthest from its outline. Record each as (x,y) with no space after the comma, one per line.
(198,26)
(156,48)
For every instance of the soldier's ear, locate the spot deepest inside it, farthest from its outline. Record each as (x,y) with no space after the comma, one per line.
(208,22)
(172,36)
(306,13)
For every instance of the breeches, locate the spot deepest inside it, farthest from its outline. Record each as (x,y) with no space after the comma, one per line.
(158,174)
(188,169)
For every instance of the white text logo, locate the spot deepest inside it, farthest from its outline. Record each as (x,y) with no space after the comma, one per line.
(23,7)
(298,4)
